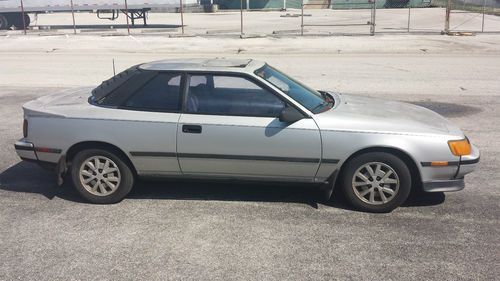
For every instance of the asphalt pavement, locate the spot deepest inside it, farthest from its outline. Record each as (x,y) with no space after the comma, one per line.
(184,230)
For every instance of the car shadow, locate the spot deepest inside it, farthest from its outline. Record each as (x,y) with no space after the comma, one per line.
(27,177)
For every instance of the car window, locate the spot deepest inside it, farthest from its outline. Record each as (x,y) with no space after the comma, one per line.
(307,97)
(231,95)
(160,93)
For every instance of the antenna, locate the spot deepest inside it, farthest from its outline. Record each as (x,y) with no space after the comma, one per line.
(114,69)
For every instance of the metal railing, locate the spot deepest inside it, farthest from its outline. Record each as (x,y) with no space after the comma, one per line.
(371,23)
(458,15)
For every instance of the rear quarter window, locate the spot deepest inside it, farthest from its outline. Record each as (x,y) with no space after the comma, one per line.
(161,93)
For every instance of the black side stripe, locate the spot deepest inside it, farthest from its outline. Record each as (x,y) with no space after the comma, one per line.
(38,149)
(330,161)
(429,164)
(248,157)
(232,157)
(48,150)
(153,154)
(453,163)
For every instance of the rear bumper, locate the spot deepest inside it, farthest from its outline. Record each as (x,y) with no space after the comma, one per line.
(28,152)
(25,150)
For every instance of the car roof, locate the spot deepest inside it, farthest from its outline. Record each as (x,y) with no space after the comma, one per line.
(217,64)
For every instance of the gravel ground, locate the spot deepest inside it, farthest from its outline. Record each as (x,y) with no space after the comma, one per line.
(211,231)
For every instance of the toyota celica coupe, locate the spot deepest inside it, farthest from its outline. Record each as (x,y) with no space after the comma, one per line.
(245,120)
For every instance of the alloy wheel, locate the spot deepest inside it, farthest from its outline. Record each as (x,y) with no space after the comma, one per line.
(100,176)
(375,183)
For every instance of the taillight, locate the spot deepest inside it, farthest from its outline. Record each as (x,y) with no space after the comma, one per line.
(25,128)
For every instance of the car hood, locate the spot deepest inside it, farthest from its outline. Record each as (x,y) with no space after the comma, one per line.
(367,114)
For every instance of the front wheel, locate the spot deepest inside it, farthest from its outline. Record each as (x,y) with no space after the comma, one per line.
(101,177)
(376,182)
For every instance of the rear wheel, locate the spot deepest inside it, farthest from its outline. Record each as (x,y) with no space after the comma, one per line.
(17,21)
(4,22)
(376,182)
(101,177)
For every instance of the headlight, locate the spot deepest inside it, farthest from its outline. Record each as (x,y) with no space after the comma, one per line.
(460,147)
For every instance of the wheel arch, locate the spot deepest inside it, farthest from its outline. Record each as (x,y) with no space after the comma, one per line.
(407,159)
(74,149)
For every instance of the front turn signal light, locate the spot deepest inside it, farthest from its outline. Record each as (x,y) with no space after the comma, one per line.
(460,147)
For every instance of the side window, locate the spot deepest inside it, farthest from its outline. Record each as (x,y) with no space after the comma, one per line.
(161,93)
(231,95)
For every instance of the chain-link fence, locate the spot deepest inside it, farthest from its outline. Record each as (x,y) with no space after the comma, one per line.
(250,18)
(472,15)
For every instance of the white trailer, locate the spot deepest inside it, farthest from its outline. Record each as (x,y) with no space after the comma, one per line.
(11,11)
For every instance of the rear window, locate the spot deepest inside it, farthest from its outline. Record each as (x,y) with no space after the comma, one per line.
(114,82)
(162,93)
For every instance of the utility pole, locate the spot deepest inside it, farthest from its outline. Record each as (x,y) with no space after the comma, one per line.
(447,18)
(23,15)
(241,18)
(73,15)
(126,16)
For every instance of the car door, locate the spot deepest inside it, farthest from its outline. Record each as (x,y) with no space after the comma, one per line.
(150,136)
(230,128)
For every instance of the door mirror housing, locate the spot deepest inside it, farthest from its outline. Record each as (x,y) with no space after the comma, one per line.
(290,115)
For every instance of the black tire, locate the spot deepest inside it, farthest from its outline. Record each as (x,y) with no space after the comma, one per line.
(395,163)
(4,22)
(125,174)
(17,21)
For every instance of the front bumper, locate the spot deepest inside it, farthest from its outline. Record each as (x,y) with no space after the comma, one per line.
(443,185)
(466,165)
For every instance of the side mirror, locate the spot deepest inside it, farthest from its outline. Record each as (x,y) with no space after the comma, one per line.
(290,115)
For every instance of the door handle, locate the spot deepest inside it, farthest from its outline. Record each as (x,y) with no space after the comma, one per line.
(191,129)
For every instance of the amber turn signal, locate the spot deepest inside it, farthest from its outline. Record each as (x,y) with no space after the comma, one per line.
(460,147)
(439,163)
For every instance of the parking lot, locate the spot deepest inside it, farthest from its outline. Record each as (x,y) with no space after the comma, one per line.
(229,231)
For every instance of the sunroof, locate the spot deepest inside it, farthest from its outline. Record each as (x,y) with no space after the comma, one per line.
(227,62)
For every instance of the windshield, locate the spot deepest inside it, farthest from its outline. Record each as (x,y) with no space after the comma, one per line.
(307,97)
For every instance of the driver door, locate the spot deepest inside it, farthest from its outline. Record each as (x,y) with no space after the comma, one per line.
(230,128)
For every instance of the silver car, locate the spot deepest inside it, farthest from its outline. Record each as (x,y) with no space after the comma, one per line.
(241,119)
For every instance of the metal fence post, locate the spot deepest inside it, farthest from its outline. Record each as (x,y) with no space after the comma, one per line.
(447,18)
(181,10)
(409,17)
(302,18)
(241,17)
(23,15)
(73,15)
(373,13)
(126,15)
(484,10)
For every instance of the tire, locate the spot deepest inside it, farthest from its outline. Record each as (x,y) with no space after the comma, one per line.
(4,22)
(376,174)
(17,21)
(98,184)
